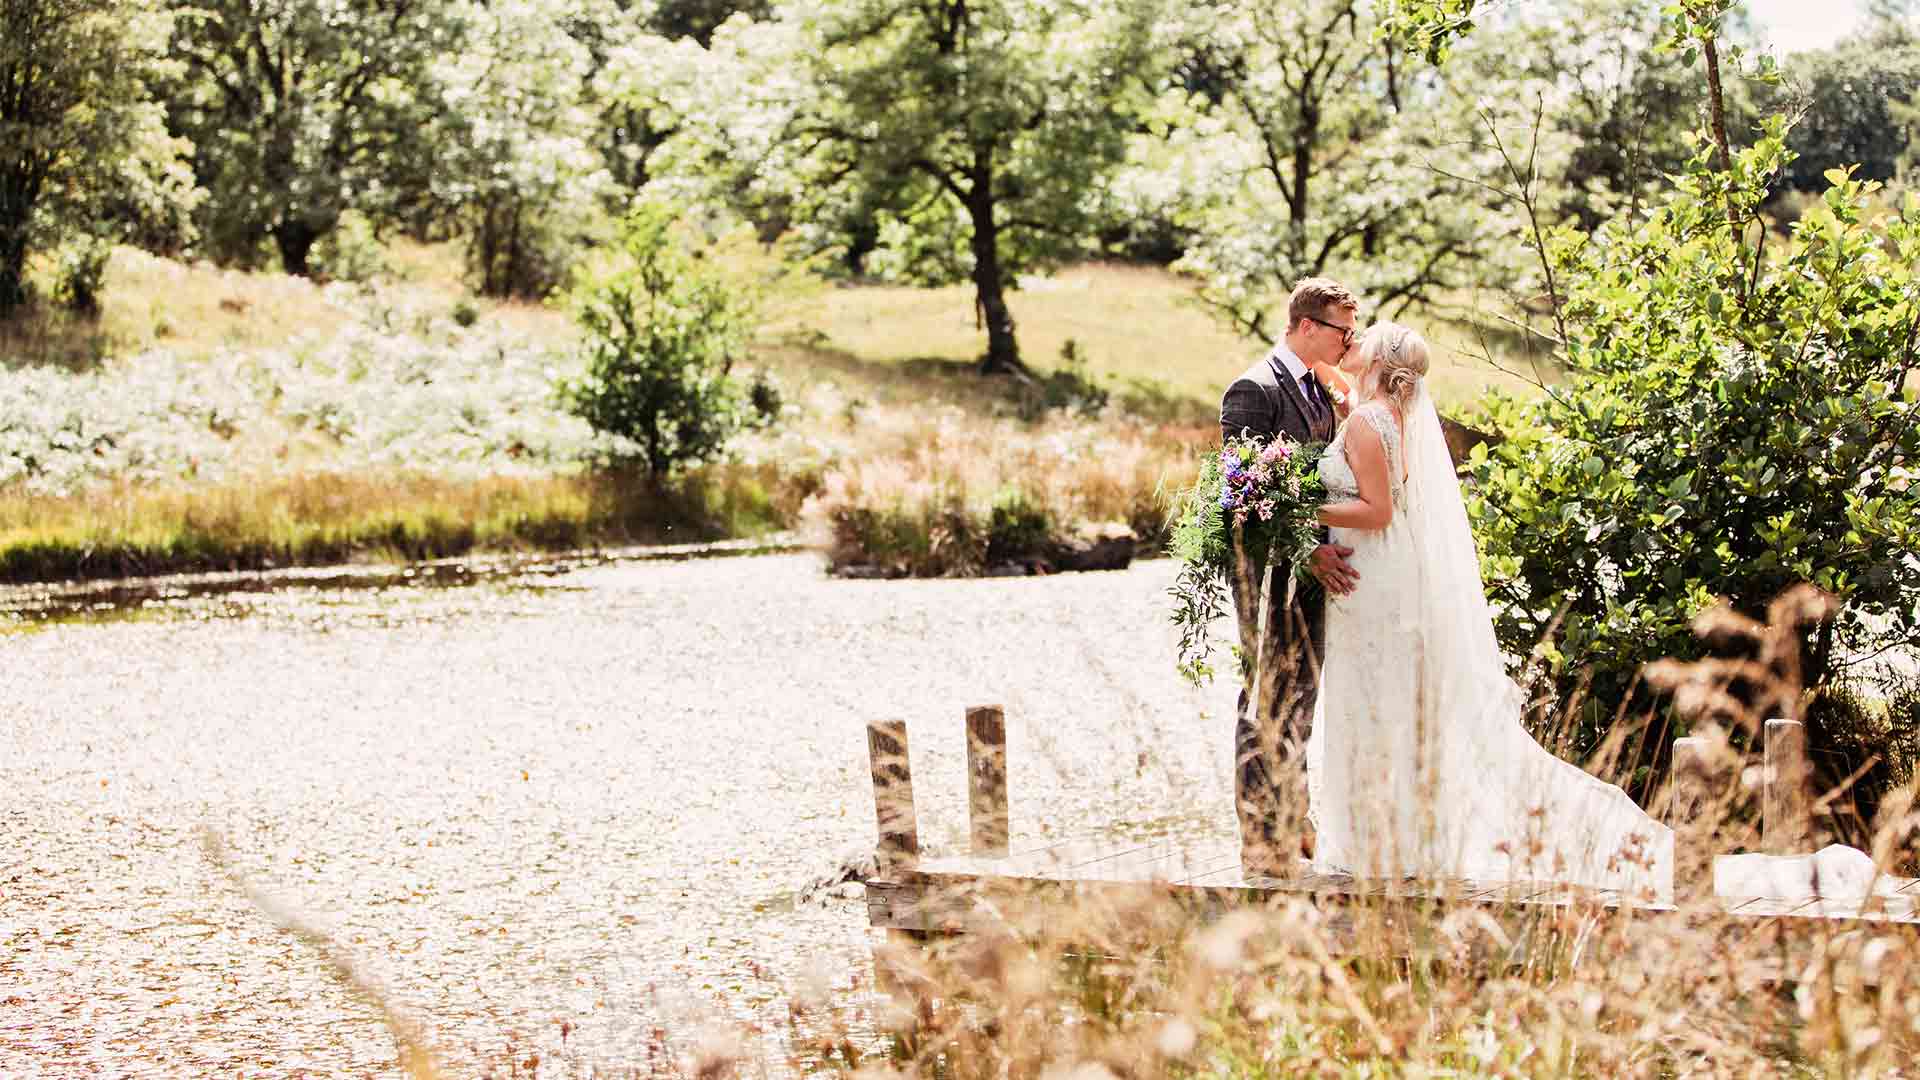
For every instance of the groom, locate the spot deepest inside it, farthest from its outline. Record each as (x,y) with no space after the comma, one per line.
(1279,395)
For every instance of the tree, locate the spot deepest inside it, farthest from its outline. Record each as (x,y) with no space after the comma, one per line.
(663,331)
(1623,110)
(75,118)
(1707,448)
(517,172)
(298,112)
(978,133)
(698,19)
(1850,99)
(1323,149)
(1737,419)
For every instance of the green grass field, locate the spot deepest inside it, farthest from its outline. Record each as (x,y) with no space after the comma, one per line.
(1131,323)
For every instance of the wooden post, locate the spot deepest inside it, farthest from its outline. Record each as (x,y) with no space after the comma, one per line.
(1690,778)
(1783,799)
(987,779)
(893,793)
(1687,810)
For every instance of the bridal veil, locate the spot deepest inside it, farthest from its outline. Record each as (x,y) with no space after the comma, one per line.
(1489,802)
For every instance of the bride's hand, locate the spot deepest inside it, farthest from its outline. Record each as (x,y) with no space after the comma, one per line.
(1329,563)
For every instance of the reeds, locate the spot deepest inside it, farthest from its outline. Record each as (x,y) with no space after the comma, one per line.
(954,495)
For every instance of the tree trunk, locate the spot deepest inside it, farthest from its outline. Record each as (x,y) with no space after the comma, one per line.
(18,191)
(295,239)
(1717,115)
(989,286)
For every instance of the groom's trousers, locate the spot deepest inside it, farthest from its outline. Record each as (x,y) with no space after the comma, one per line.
(1270,788)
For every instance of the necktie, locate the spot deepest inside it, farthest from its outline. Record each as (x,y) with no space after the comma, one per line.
(1316,412)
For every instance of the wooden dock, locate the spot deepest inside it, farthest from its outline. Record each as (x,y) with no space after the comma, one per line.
(946,895)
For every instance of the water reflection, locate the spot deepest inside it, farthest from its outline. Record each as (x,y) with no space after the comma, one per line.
(563,808)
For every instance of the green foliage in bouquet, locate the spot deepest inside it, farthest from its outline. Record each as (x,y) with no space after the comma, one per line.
(1270,493)
(1735,421)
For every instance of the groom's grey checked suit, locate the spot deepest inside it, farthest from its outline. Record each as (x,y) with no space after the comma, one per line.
(1269,752)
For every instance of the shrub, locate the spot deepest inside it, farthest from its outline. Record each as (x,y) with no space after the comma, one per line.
(82,275)
(1732,425)
(951,495)
(349,252)
(663,330)
(1017,526)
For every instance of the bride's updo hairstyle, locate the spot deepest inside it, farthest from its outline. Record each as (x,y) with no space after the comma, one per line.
(1396,359)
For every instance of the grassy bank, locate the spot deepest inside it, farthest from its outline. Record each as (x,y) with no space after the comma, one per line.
(315,519)
(218,419)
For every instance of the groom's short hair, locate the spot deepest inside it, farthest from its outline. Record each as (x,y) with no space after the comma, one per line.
(1314,297)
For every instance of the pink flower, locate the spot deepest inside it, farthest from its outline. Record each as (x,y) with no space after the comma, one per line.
(1266,509)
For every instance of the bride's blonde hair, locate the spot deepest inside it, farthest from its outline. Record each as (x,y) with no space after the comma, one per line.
(1402,357)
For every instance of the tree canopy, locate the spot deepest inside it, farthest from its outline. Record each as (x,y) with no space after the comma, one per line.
(77,124)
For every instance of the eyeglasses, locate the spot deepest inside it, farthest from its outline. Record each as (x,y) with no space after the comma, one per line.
(1346,332)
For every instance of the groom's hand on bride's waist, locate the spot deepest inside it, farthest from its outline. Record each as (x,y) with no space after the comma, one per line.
(1329,563)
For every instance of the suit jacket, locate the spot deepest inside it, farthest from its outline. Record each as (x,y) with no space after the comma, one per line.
(1266,401)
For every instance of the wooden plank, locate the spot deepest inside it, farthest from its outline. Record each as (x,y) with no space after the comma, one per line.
(893,793)
(987,779)
(1169,862)
(1783,796)
(1208,866)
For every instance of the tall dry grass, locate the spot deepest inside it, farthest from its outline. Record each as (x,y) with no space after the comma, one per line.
(948,494)
(318,518)
(1402,978)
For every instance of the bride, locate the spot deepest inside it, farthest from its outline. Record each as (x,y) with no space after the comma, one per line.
(1418,763)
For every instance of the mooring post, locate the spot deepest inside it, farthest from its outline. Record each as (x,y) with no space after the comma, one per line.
(1687,810)
(893,793)
(987,779)
(1783,797)
(1689,782)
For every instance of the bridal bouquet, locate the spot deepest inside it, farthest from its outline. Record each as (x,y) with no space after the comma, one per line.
(1270,493)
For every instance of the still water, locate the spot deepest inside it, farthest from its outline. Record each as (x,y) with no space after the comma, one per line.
(565,810)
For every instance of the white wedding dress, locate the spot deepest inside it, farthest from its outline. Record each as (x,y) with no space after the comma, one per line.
(1417,763)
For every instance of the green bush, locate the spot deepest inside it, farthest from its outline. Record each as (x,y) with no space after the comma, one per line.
(1731,426)
(1863,739)
(1018,527)
(350,251)
(663,330)
(81,277)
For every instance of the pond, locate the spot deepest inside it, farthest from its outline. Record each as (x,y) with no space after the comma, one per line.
(565,810)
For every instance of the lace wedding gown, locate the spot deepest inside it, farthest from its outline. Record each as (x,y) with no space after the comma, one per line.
(1418,763)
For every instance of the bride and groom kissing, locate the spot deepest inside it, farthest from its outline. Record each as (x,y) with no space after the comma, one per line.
(1384,705)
